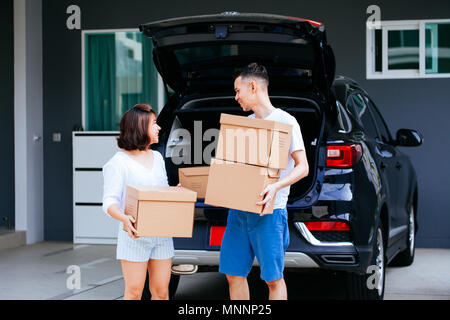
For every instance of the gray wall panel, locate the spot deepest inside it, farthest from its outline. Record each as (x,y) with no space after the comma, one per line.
(7,113)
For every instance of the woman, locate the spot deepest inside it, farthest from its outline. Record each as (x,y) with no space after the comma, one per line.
(137,164)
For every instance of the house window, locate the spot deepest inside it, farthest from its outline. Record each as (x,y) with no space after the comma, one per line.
(409,49)
(118,72)
(437,48)
(403,49)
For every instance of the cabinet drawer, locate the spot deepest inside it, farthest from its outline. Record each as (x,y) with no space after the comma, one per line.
(93,151)
(88,186)
(92,222)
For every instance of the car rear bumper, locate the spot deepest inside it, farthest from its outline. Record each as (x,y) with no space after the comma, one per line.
(293,260)
(211,258)
(304,251)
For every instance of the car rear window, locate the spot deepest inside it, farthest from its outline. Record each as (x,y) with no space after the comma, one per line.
(298,54)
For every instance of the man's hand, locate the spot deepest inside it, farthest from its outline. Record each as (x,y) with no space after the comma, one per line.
(270,192)
(300,171)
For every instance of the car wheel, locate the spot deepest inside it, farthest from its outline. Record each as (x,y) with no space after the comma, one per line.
(173,286)
(370,286)
(406,257)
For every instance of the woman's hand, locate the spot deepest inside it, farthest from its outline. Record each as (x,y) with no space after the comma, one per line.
(128,222)
(179,185)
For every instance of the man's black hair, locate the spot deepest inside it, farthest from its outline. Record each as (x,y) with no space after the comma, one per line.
(254,70)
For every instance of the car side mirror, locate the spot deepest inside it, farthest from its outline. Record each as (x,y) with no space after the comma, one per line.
(408,138)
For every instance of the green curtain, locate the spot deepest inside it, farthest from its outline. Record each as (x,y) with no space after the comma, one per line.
(100,82)
(149,74)
(128,72)
(117,77)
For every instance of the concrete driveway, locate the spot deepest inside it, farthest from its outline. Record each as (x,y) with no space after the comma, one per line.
(39,271)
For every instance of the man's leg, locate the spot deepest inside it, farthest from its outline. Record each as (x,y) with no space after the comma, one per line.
(277,289)
(238,287)
(236,255)
(270,239)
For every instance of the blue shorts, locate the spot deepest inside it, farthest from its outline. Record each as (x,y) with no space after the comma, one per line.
(248,235)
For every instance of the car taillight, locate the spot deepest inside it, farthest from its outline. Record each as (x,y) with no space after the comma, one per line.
(343,156)
(216,236)
(327,226)
(312,22)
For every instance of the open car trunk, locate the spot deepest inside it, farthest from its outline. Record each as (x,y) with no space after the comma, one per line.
(193,136)
(200,54)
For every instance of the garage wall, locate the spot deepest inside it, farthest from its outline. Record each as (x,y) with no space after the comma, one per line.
(416,104)
(7,113)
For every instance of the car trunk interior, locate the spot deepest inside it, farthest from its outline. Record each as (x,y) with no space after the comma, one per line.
(208,111)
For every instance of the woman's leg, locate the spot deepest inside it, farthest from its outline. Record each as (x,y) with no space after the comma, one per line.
(134,274)
(159,277)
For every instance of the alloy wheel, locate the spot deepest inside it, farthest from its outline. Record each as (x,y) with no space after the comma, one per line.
(411,232)
(380,262)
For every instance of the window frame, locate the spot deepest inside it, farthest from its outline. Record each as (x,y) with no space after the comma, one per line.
(342,114)
(368,111)
(374,110)
(399,74)
(161,91)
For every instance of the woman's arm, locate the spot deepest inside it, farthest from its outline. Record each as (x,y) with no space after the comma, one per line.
(127,220)
(113,188)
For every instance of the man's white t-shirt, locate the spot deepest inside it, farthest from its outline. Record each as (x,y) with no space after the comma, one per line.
(296,144)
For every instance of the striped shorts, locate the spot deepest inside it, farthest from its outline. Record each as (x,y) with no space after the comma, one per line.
(143,248)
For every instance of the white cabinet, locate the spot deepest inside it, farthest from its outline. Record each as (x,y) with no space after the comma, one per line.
(94,226)
(91,150)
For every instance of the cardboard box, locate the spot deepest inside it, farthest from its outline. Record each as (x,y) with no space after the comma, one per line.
(254,141)
(195,179)
(161,211)
(237,185)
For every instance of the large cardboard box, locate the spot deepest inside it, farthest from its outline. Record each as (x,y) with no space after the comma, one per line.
(195,179)
(237,186)
(254,141)
(161,211)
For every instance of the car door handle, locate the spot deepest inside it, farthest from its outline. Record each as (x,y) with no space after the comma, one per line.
(398,165)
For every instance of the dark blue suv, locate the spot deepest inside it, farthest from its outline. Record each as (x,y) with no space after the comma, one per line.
(356,210)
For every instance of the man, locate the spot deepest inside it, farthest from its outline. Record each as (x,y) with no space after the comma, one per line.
(265,236)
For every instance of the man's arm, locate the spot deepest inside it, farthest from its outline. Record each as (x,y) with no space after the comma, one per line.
(300,171)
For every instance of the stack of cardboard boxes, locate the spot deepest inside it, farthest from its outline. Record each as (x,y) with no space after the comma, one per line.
(250,154)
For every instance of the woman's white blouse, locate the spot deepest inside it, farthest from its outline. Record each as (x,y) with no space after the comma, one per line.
(122,170)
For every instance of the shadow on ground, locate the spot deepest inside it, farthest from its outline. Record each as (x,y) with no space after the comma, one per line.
(319,285)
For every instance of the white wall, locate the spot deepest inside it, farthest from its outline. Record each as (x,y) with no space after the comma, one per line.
(28,127)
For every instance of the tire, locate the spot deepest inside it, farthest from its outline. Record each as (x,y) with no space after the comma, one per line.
(406,257)
(362,287)
(173,286)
